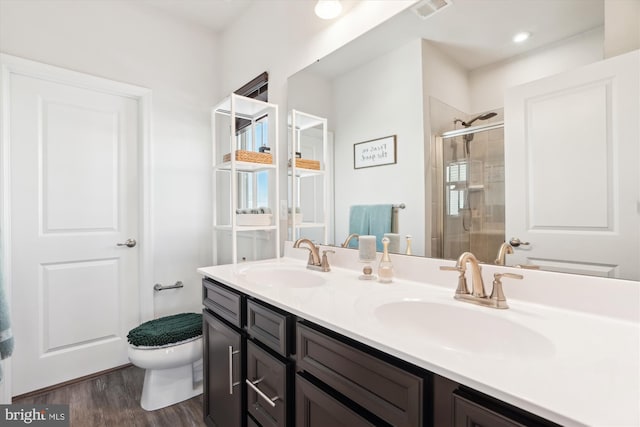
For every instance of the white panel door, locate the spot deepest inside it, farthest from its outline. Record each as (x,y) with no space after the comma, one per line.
(74,191)
(571,175)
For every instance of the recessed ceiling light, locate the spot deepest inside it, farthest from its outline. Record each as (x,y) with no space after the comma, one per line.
(328,9)
(520,37)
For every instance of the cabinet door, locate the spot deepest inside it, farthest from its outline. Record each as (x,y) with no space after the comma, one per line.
(315,408)
(267,391)
(222,373)
(470,414)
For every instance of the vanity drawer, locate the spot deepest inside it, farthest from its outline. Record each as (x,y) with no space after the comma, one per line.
(223,301)
(468,413)
(315,408)
(269,326)
(269,375)
(471,408)
(387,391)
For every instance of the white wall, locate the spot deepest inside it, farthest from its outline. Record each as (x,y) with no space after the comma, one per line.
(444,79)
(488,84)
(312,94)
(121,41)
(378,99)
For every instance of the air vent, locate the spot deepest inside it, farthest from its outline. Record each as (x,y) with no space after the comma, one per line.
(426,8)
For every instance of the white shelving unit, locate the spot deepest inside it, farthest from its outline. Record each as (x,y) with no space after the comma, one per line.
(308,178)
(245,180)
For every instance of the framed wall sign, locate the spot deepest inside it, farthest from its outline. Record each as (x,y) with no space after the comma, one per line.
(377,152)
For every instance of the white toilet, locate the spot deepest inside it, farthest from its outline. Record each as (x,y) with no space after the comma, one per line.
(173,371)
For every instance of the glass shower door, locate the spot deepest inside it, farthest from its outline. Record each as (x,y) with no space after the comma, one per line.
(473,192)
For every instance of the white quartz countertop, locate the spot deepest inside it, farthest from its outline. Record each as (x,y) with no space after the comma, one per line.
(568,366)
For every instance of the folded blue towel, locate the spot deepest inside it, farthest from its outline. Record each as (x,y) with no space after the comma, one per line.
(358,222)
(6,337)
(380,222)
(372,220)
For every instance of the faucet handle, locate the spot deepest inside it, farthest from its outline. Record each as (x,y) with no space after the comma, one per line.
(498,276)
(497,294)
(527,266)
(462,288)
(448,268)
(325,261)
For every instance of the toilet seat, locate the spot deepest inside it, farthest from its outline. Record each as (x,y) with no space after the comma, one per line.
(168,356)
(155,347)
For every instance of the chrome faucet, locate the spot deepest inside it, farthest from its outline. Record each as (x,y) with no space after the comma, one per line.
(505,249)
(314,262)
(348,239)
(478,295)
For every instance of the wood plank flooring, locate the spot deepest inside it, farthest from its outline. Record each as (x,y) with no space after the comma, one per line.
(113,400)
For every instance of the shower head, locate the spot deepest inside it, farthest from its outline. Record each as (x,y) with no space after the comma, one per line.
(480,117)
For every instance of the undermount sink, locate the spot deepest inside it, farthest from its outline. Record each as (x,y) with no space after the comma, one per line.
(464,329)
(276,275)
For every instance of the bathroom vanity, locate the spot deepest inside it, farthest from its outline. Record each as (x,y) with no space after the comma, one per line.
(288,346)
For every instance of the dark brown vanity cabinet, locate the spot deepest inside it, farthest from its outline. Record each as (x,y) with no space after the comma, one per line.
(248,370)
(266,368)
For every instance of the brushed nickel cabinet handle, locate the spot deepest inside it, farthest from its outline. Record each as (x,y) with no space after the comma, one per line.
(231,383)
(270,400)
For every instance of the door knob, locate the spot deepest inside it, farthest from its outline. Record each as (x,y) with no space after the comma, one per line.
(130,243)
(515,242)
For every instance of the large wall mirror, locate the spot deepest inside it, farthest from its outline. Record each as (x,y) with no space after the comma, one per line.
(485,150)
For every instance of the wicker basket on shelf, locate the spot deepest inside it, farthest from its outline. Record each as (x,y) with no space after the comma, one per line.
(307,164)
(249,156)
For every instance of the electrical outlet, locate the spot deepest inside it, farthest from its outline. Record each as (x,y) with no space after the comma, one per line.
(283,210)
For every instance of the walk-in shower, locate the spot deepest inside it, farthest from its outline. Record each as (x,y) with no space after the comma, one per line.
(470,175)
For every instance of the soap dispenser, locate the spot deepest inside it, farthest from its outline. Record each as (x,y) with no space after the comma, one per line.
(408,251)
(385,268)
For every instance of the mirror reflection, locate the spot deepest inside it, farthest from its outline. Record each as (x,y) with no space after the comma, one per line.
(441,86)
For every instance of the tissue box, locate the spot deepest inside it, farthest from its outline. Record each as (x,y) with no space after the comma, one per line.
(253,219)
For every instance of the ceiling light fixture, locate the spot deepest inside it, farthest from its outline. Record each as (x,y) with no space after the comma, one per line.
(328,9)
(520,37)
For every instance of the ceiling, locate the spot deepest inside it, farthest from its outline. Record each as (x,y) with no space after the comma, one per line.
(215,15)
(474,33)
